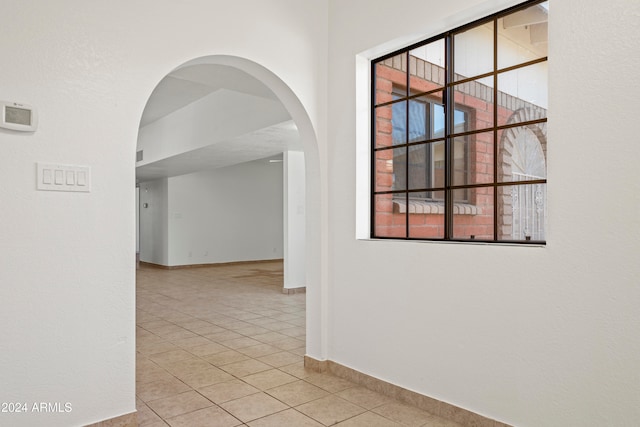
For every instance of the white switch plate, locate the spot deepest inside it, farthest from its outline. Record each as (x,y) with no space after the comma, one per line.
(57,177)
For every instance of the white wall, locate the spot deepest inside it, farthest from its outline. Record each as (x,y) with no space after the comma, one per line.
(526,335)
(226,214)
(67,270)
(294,220)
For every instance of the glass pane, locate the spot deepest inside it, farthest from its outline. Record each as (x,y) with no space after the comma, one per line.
(522,94)
(390,167)
(390,217)
(391,77)
(437,121)
(426,220)
(383,170)
(426,67)
(473,159)
(473,221)
(522,153)
(418,120)
(522,212)
(391,124)
(474,105)
(426,167)
(384,127)
(522,36)
(399,122)
(473,51)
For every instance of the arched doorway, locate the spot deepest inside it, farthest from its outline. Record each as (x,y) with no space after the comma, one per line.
(303,125)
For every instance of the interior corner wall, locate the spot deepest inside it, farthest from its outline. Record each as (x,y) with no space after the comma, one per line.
(530,336)
(226,215)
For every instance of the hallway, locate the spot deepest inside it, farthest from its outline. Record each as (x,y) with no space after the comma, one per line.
(223,346)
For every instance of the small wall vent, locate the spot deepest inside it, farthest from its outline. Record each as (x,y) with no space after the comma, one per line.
(139,156)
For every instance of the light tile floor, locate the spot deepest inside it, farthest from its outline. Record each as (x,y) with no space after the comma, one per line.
(223,346)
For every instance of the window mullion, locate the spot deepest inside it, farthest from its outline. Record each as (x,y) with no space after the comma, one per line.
(449,103)
(406,152)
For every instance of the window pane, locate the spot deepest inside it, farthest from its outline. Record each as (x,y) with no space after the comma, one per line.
(522,94)
(384,127)
(522,36)
(522,212)
(473,159)
(426,67)
(474,105)
(474,221)
(473,51)
(391,124)
(385,168)
(522,153)
(390,75)
(418,121)
(426,167)
(388,220)
(428,222)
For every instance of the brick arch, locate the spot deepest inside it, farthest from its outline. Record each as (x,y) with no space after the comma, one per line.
(509,136)
(507,141)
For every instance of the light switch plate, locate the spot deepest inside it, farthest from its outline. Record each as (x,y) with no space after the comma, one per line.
(57,177)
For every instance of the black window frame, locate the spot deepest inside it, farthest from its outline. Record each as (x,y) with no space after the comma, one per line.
(452,81)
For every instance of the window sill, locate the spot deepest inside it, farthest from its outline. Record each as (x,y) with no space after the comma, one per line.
(433,208)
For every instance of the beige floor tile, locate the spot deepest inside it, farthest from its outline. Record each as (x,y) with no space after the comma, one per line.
(404,414)
(156,347)
(361,396)
(207,349)
(297,393)
(183,368)
(151,374)
(288,418)
(239,343)
(282,358)
(168,357)
(180,335)
(259,350)
(330,410)
(252,330)
(226,391)
(159,389)
(179,404)
(156,424)
(208,417)
(206,377)
(329,382)
(270,337)
(246,367)
(298,370)
(188,343)
(193,325)
(289,343)
(252,407)
(146,416)
(269,379)
(296,332)
(208,330)
(368,419)
(223,336)
(225,358)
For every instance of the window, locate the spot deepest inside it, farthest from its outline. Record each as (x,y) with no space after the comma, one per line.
(459,124)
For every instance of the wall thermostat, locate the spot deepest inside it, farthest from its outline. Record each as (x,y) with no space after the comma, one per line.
(20,117)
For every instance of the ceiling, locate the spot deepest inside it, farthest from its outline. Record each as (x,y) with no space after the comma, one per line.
(184,86)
